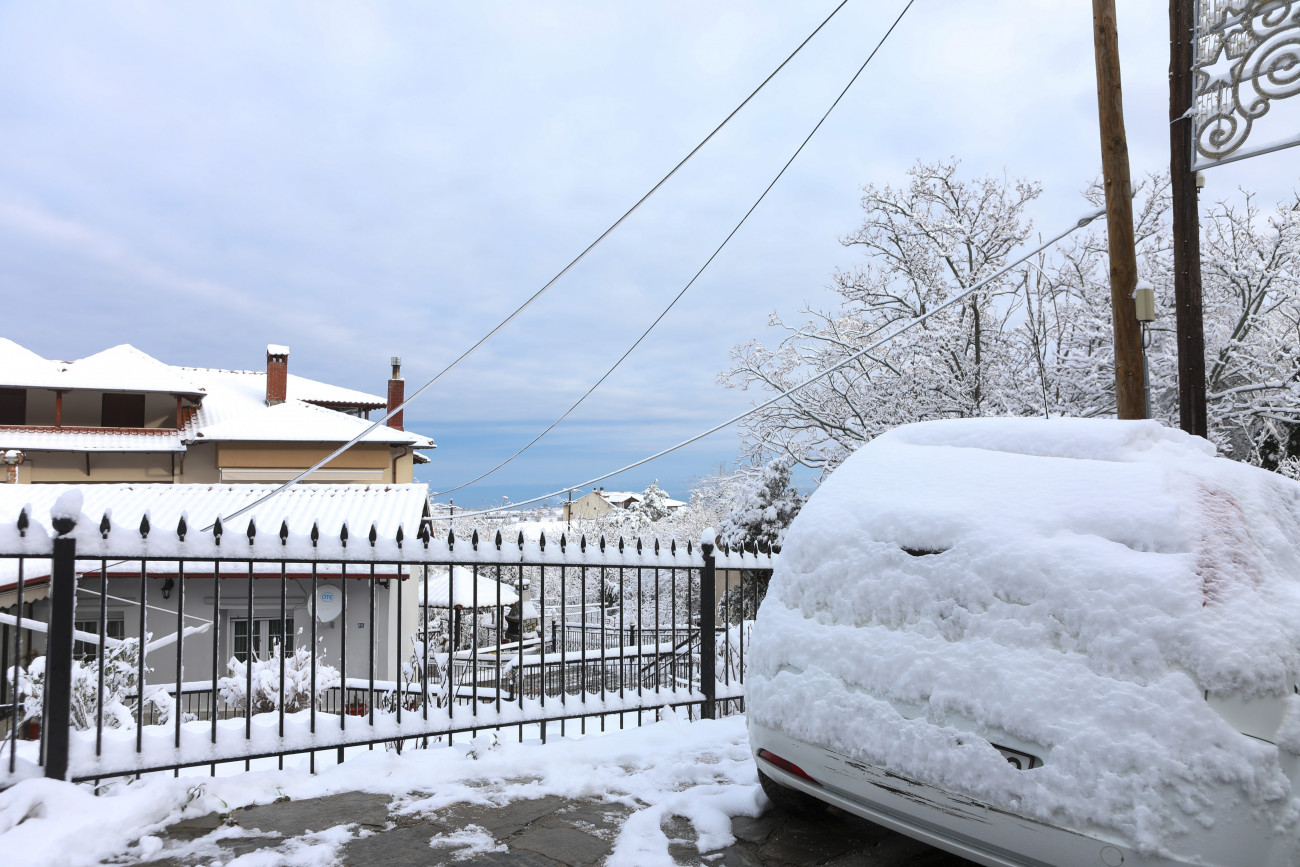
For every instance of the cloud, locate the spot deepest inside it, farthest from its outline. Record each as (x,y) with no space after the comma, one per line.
(361,180)
(111,254)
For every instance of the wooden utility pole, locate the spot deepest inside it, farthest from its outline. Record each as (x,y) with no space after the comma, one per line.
(1130,397)
(1186,219)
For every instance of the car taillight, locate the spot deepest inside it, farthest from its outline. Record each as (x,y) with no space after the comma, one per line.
(786,765)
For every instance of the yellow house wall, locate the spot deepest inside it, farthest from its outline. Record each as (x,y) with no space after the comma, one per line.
(70,467)
(199,465)
(160,410)
(202,463)
(362,463)
(589,506)
(405,467)
(298,456)
(40,407)
(85,408)
(81,409)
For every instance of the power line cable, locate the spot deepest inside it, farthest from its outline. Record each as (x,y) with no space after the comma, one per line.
(706,264)
(1083,221)
(502,324)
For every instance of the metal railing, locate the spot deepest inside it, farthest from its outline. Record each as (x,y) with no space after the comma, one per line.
(384,669)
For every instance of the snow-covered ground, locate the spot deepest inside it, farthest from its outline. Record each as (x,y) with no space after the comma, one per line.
(700,770)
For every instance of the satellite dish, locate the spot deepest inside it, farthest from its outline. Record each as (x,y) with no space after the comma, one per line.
(329,602)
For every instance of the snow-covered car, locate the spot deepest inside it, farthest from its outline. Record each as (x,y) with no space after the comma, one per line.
(1041,642)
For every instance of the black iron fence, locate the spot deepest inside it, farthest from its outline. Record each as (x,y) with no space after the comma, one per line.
(306,644)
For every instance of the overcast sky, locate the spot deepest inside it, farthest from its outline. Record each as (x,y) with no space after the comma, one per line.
(361,180)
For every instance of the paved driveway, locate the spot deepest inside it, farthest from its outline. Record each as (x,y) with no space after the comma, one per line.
(545,832)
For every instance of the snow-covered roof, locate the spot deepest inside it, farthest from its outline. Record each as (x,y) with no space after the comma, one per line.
(232,403)
(235,409)
(90,439)
(327,506)
(460,587)
(1103,593)
(312,391)
(20,366)
(634,497)
(298,422)
(120,368)
(253,384)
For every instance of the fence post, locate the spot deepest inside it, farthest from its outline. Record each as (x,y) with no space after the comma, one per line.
(56,715)
(708,638)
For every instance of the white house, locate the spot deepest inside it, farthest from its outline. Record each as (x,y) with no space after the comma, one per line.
(247,613)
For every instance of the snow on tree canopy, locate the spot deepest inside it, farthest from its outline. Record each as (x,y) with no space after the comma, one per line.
(653,505)
(1097,590)
(765,506)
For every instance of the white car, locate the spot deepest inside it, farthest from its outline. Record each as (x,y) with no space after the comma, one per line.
(1041,642)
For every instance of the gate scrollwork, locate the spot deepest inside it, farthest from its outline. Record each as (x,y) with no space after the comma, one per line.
(1247,57)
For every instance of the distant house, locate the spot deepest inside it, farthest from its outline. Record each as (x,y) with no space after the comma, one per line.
(621,499)
(600,502)
(592,505)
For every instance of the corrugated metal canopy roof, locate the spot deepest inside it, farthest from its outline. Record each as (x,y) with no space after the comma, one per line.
(328,506)
(458,589)
(91,439)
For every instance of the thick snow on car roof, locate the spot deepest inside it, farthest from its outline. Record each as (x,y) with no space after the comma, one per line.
(1078,585)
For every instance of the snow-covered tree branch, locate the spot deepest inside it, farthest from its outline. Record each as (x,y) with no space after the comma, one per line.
(1038,341)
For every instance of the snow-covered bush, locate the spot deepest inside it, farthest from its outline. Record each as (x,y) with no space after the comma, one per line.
(727,649)
(636,521)
(266,681)
(29,683)
(741,600)
(414,685)
(765,505)
(653,505)
(121,663)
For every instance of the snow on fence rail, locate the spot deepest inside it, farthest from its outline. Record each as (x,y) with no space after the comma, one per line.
(262,644)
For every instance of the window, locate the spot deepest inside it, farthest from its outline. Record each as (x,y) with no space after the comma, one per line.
(13,406)
(266,634)
(87,651)
(123,410)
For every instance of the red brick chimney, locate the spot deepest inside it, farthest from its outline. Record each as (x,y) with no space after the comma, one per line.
(396,393)
(277,374)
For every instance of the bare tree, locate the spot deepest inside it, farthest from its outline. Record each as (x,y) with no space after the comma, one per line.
(926,242)
(1251,293)
(1037,342)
